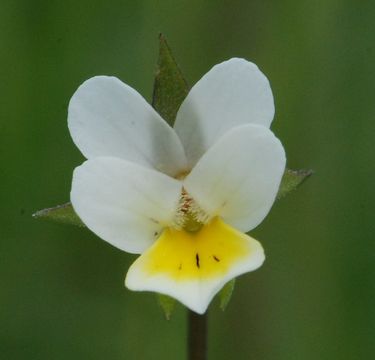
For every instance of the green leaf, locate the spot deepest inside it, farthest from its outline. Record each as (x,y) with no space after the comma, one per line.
(170,86)
(291,180)
(225,294)
(61,213)
(167,304)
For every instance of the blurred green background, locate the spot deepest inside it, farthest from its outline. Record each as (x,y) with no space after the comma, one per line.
(61,288)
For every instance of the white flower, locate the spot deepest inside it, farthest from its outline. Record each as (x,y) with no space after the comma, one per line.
(183,197)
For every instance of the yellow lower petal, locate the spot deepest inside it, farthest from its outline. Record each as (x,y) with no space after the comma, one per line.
(207,253)
(193,266)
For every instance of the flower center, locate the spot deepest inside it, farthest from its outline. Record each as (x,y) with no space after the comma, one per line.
(189,217)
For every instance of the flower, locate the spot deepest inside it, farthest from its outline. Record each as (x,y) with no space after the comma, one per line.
(182,197)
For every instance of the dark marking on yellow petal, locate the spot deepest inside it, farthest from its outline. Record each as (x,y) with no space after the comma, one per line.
(197,260)
(216,258)
(196,251)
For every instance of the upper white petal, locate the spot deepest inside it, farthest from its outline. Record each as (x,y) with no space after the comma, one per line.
(238,178)
(108,118)
(232,93)
(125,204)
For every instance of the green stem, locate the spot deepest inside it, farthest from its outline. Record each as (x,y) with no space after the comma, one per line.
(197,336)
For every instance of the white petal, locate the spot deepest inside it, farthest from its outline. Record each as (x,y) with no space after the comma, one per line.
(238,178)
(125,204)
(193,267)
(232,93)
(108,118)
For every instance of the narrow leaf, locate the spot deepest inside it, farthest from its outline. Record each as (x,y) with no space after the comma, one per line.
(291,180)
(167,304)
(170,87)
(225,294)
(61,213)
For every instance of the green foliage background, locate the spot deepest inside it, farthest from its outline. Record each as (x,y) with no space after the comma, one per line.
(61,288)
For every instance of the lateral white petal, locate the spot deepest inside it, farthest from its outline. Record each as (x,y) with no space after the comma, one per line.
(108,118)
(125,204)
(238,178)
(232,93)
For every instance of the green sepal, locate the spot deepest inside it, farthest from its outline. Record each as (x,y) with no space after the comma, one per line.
(170,86)
(167,304)
(291,180)
(225,294)
(62,213)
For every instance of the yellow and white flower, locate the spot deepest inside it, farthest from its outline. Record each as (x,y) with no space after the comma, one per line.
(182,197)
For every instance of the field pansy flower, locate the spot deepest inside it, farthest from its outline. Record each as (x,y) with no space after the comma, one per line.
(182,197)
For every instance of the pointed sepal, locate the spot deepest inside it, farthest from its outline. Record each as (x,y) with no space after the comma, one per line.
(167,304)
(225,294)
(62,214)
(170,86)
(291,180)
